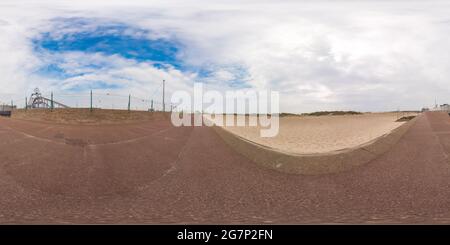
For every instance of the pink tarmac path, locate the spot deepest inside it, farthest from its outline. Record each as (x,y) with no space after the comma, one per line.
(159,174)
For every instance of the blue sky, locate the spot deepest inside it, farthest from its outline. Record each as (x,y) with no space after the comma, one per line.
(112,39)
(109,39)
(320,55)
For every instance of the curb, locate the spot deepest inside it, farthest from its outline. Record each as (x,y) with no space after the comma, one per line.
(314,164)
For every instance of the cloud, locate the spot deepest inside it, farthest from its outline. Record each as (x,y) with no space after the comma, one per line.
(93,36)
(320,55)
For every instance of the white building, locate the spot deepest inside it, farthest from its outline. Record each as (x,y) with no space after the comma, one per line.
(444,107)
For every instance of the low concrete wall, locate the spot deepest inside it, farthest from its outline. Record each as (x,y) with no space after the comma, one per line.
(313,164)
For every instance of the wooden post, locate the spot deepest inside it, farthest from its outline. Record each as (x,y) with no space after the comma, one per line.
(91,102)
(26,103)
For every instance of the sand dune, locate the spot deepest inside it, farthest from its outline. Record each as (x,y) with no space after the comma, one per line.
(311,134)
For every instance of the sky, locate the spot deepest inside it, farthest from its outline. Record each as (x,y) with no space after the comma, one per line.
(319,55)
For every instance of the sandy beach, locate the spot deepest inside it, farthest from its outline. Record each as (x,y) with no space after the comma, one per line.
(321,134)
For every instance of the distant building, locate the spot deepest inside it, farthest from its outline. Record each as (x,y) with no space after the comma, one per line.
(444,107)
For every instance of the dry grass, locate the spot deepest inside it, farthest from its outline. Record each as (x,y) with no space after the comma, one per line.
(405,118)
(85,116)
(331,113)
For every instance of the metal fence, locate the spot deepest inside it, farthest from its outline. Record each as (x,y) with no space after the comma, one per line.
(92,99)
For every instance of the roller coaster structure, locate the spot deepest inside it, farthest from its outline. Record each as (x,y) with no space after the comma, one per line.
(38,101)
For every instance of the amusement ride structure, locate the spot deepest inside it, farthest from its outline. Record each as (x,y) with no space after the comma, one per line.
(38,101)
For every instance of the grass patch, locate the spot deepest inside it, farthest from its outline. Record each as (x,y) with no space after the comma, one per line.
(331,113)
(405,119)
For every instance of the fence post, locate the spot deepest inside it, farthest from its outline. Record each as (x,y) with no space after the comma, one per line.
(151,106)
(164,94)
(51,102)
(91,102)
(26,103)
(129,102)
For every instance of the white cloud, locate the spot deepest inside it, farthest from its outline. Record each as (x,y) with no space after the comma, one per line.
(321,55)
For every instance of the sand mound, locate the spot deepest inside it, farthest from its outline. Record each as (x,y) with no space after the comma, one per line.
(85,116)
